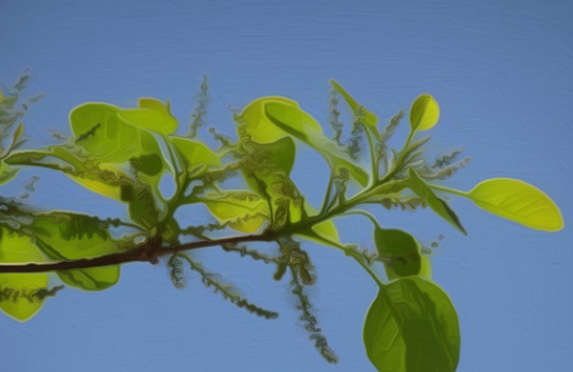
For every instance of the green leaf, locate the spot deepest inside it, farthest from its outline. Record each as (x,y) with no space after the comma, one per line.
(17,248)
(70,236)
(269,119)
(365,116)
(518,201)
(412,326)
(7,173)
(108,133)
(197,157)
(241,210)
(102,178)
(424,113)
(438,205)
(402,249)
(152,115)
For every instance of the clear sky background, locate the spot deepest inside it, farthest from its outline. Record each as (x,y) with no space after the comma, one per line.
(502,73)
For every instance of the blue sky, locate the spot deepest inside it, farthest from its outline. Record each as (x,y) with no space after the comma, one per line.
(502,74)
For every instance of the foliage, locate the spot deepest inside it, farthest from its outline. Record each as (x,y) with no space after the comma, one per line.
(124,154)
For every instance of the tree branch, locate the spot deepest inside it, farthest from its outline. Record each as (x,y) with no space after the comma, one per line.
(146,253)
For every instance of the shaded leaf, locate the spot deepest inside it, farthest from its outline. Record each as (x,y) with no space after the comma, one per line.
(400,252)
(412,326)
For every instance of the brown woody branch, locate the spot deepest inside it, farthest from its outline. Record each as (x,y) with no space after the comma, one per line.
(145,253)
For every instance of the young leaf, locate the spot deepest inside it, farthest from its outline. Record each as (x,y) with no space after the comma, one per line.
(243,211)
(197,157)
(518,201)
(70,236)
(269,119)
(412,326)
(438,205)
(17,248)
(400,251)
(424,113)
(365,116)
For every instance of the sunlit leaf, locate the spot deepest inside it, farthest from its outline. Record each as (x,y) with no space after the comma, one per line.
(17,248)
(152,115)
(70,236)
(412,326)
(101,178)
(243,211)
(400,251)
(424,113)
(438,205)
(269,119)
(197,157)
(105,132)
(518,201)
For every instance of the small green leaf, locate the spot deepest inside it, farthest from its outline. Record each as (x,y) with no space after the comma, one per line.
(243,211)
(365,116)
(438,205)
(70,236)
(17,248)
(424,113)
(7,173)
(401,249)
(197,157)
(412,326)
(518,201)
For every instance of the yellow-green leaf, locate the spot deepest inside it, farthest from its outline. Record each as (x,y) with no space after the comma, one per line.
(114,135)
(197,157)
(243,211)
(16,248)
(70,236)
(518,201)
(424,113)
(152,115)
(269,119)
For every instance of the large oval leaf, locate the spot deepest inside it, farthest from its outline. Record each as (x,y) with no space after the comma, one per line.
(424,113)
(105,132)
(518,201)
(412,326)
(16,248)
